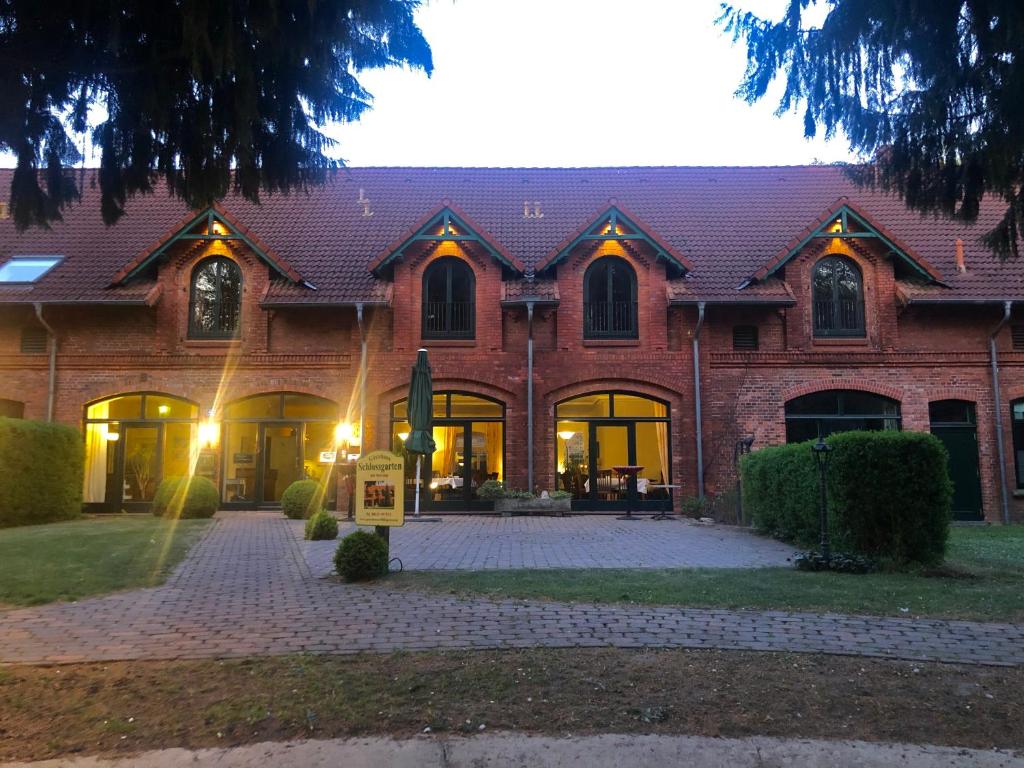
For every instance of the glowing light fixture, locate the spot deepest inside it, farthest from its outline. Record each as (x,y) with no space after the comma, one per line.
(344,433)
(163,409)
(113,436)
(209,434)
(403,436)
(567,435)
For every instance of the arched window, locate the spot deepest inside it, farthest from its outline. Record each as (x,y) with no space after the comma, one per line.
(609,295)
(820,414)
(216,299)
(449,300)
(838,296)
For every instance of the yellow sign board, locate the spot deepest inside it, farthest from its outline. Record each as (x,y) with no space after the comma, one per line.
(380,489)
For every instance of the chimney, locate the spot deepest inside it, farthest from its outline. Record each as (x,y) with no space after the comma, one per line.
(365,202)
(961,266)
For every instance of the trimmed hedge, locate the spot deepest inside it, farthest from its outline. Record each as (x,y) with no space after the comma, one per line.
(322,526)
(302,499)
(41,466)
(186,497)
(889,494)
(360,556)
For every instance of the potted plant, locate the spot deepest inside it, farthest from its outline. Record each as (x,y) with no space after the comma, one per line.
(509,501)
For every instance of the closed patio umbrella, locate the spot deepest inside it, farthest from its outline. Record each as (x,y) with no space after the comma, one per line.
(421,416)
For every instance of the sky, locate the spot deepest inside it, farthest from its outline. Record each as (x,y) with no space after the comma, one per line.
(576,83)
(533,83)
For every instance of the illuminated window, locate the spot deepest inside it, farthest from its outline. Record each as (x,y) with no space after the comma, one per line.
(449,300)
(838,298)
(27,269)
(216,299)
(609,309)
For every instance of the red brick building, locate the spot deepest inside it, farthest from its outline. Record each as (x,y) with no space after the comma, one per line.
(235,340)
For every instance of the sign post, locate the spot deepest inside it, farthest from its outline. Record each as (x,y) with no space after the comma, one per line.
(380,491)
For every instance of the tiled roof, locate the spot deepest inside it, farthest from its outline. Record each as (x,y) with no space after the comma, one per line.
(521,290)
(728,222)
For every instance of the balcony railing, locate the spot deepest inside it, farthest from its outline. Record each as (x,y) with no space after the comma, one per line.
(609,320)
(448,319)
(843,318)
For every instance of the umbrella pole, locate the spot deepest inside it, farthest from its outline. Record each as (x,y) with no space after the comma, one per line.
(419,458)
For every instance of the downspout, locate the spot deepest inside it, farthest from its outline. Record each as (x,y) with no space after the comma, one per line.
(998,406)
(529,396)
(696,399)
(362,379)
(51,386)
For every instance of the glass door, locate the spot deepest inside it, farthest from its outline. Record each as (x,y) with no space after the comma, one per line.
(140,462)
(612,446)
(281,460)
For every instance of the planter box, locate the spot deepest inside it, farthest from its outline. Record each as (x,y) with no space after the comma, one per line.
(557,507)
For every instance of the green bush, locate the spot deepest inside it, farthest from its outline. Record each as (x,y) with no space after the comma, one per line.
(491,489)
(302,499)
(780,492)
(322,526)
(893,494)
(889,495)
(186,497)
(40,472)
(559,495)
(361,556)
(693,506)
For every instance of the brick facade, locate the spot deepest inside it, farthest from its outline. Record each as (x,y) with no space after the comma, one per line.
(911,353)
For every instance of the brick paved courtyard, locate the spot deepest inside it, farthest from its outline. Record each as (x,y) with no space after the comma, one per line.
(487,542)
(247,589)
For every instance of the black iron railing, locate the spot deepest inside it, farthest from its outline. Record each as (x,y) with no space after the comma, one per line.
(843,318)
(448,319)
(609,319)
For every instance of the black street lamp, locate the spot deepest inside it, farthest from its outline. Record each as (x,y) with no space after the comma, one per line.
(822,455)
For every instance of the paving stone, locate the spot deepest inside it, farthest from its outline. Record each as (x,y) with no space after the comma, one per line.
(252,586)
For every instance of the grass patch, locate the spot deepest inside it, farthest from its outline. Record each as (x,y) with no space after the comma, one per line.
(125,707)
(71,560)
(982,579)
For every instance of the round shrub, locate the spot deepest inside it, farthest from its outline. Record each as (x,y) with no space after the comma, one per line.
(361,556)
(302,499)
(322,526)
(491,489)
(186,497)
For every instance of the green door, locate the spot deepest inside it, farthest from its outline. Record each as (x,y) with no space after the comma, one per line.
(960,436)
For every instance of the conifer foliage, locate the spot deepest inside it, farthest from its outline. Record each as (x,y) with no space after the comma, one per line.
(203,95)
(932,90)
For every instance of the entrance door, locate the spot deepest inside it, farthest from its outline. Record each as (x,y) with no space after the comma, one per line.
(137,465)
(611,445)
(953,423)
(281,460)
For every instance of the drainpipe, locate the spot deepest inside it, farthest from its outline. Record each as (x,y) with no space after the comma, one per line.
(998,405)
(51,386)
(529,395)
(696,399)
(362,379)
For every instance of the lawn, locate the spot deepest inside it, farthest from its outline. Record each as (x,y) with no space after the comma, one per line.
(983,579)
(67,561)
(119,708)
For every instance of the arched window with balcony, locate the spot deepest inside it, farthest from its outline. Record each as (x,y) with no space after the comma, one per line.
(449,300)
(215,299)
(609,291)
(838,298)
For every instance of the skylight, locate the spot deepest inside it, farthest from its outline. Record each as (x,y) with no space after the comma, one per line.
(27,269)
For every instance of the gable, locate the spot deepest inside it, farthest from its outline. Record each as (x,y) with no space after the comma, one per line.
(846,222)
(446,224)
(614,224)
(210,225)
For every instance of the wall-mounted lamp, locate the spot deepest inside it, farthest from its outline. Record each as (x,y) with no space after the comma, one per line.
(113,436)
(163,409)
(403,436)
(209,434)
(567,435)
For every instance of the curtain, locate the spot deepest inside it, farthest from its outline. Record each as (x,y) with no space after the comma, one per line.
(96,445)
(661,429)
(492,432)
(446,437)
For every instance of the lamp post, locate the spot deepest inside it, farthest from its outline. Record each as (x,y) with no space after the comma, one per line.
(822,456)
(741,448)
